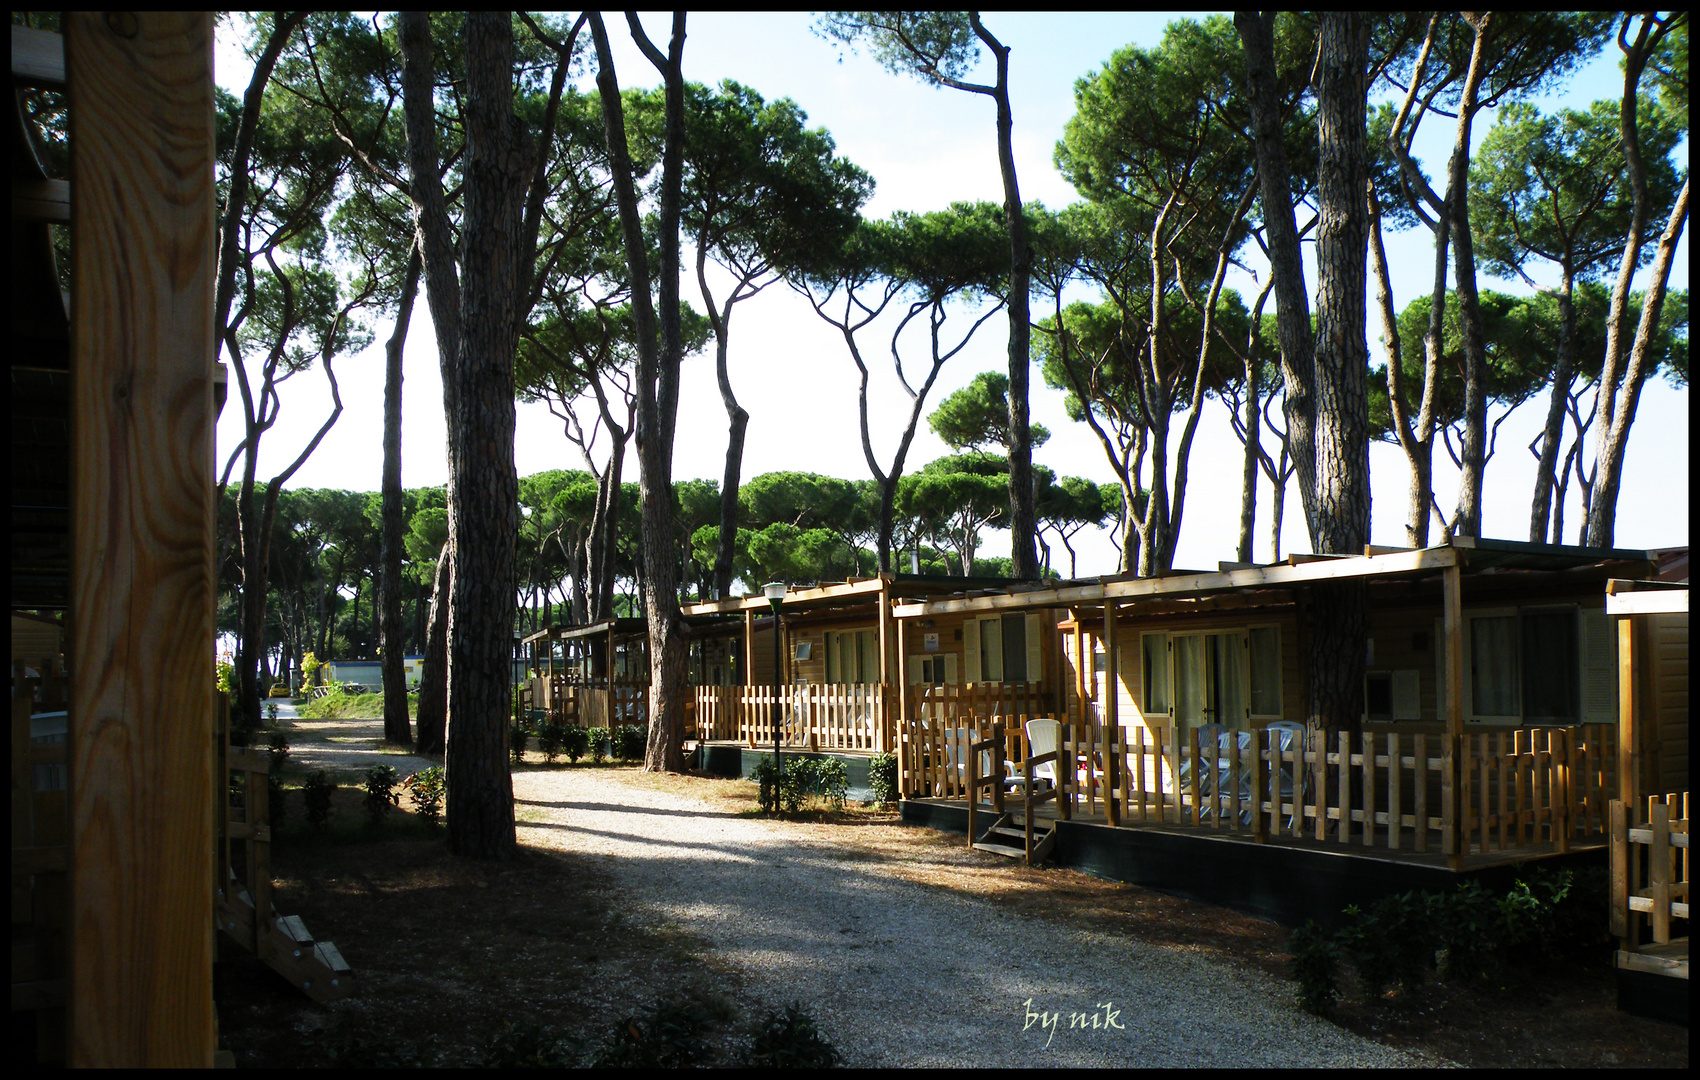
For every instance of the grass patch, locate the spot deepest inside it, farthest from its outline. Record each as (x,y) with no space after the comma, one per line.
(341,706)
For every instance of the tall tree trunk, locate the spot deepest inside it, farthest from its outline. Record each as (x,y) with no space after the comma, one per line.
(1341,517)
(1023,520)
(1251,420)
(1552,432)
(1602,515)
(481,315)
(1467,520)
(1286,264)
(433,708)
(393,650)
(659,356)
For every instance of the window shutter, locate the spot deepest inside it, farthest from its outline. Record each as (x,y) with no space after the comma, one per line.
(971,648)
(1599,668)
(917,669)
(1034,664)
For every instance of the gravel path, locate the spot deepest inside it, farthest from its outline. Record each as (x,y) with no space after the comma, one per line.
(357,745)
(899,974)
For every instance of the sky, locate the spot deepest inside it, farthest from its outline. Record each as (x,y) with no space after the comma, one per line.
(926,148)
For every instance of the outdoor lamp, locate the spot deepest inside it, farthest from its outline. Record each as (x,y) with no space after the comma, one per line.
(775,593)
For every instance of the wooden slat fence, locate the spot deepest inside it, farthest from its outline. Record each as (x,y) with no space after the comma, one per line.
(1385,791)
(819,716)
(1649,869)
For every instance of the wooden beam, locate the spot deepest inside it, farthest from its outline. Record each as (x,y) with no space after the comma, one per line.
(38,57)
(1192,584)
(1628,739)
(1453,841)
(140,90)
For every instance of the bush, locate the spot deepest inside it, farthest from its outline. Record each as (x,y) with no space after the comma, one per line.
(882,778)
(790,1040)
(549,740)
(629,742)
(278,743)
(426,792)
(575,741)
(598,745)
(801,778)
(381,795)
(518,736)
(316,798)
(528,1046)
(667,1036)
(1315,958)
(1393,942)
(831,781)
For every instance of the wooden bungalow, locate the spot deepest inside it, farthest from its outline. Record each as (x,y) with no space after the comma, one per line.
(113,406)
(842,670)
(1649,819)
(1488,735)
(594,675)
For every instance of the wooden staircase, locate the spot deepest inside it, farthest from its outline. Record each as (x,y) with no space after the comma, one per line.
(242,905)
(1016,832)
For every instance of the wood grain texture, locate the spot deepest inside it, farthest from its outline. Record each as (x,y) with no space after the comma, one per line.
(141,104)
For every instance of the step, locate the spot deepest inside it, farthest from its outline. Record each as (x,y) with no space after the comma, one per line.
(291,927)
(330,956)
(1000,849)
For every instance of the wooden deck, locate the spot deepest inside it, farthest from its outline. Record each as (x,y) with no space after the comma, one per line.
(1473,861)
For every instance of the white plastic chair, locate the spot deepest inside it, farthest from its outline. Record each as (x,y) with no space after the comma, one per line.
(1209,742)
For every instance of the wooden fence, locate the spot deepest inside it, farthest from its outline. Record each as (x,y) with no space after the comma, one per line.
(1397,792)
(1649,880)
(849,716)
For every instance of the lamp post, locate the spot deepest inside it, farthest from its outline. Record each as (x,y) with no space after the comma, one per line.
(775,593)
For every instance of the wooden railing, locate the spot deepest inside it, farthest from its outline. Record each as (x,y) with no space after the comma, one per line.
(816,715)
(1398,792)
(1649,880)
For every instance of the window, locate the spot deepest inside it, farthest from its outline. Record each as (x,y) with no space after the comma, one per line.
(1231,677)
(1545,665)
(852,656)
(1002,648)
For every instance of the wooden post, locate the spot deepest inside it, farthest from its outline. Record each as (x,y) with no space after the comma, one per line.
(140,89)
(1083,665)
(750,647)
(1628,739)
(1452,840)
(900,726)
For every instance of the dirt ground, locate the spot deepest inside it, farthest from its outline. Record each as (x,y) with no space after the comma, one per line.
(447,951)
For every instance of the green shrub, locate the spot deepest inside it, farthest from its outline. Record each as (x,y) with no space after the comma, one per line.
(316,798)
(381,795)
(549,740)
(790,1040)
(528,1046)
(832,781)
(791,790)
(598,745)
(278,743)
(1315,958)
(882,778)
(575,741)
(667,1036)
(1393,942)
(426,792)
(629,742)
(518,736)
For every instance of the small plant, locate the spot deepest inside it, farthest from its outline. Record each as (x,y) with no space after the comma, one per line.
(831,781)
(629,741)
(381,795)
(667,1036)
(549,740)
(598,745)
(528,1046)
(785,793)
(790,1040)
(575,741)
(271,712)
(518,736)
(882,778)
(1315,958)
(309,666)
(425,789)
(278,743)
(316,798)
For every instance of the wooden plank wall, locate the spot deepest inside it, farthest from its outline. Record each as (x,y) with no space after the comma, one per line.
(1667,700)
(141,110)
